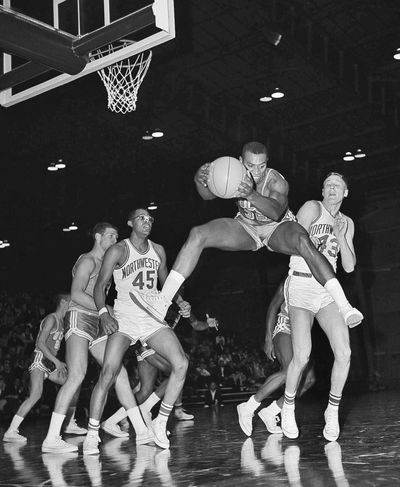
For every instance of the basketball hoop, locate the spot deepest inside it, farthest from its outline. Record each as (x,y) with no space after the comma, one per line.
(123,78)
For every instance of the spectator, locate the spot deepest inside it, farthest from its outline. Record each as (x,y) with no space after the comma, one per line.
(213,396)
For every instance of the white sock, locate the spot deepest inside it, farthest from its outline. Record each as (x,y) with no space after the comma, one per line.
(150,402)
(56,422)
(93,426)
(117,416)
(172,284)
(336,291)
(136,420)
(16,421)
(252,403)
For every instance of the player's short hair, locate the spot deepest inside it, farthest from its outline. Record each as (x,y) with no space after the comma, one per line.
(59,297)
(101,227)
(333,173)
(254,148)
(131,214)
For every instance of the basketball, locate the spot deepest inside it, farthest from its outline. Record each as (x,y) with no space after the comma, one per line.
(226,174)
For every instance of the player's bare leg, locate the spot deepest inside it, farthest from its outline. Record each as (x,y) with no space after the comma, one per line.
(246,410)
(223,233)
(125,397)
(76,358)
(292,239)
(112,373)
(301,322)
(338,335)
(167,345)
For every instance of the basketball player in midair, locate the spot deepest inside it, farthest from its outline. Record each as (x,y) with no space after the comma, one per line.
(264,219)
(81,329)
(46,365)
(135,263)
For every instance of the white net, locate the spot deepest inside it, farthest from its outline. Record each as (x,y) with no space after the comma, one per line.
(123,78)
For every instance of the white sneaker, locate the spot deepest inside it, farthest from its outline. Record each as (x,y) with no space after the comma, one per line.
(160,433)
(182,415)
(57,445)
(145,438)
(146,415)
(288,422)
(113,429)
(332,430)
(155,304)
(269,417)
(245,418)
(73,429)
(14,437)
(91,444)
(353,317)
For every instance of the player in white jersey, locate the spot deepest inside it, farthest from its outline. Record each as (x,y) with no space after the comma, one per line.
(263,220)
(45,365)
(331,232)
(135,263)
(278,345)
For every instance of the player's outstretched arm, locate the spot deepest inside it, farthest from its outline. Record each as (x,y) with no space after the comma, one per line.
(270,320)
(200,180)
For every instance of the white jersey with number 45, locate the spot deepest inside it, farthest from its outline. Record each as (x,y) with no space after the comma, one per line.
(322,229)
(138,273)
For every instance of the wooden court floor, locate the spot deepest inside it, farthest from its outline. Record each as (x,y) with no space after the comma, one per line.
(213,451)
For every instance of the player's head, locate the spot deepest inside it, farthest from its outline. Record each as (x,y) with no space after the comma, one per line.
(255,157)
(140,221)
(61,300)
(104,234)
(334,187)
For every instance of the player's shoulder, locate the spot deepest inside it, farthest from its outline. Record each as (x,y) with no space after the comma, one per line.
(158,247)
(50,320)
(311,206)
(86,259)
(349,220)
(276,179)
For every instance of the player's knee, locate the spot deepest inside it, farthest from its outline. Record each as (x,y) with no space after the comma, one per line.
(108,375)
(301,357)
(343,355)
(181,366)
(76,377)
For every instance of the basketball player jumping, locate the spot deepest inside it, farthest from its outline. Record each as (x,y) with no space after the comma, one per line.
(135,263)
(264,219)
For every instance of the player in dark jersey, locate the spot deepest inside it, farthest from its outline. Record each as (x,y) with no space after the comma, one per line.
(46,365)
(263,220)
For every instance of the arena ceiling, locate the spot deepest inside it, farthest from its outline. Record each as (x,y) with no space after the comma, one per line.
(334,63)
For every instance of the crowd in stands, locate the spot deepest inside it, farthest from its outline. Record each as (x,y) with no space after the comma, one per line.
(215,356)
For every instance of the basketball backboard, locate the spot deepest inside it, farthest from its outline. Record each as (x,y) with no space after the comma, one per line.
(47,43)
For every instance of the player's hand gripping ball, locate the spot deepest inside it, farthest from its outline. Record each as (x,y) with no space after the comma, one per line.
(224,177)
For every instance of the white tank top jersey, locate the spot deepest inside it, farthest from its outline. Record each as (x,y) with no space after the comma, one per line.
(251,213)
(322,228)
(138,273)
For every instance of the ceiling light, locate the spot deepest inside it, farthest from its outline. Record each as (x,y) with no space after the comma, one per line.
(359,154)
(277,93)
(396,55)
(5,243)
(66,229)
(147,135)
(348,157)
(73,226)
(60,164)
(52,167)
(157,133)
(152,206)
(265,99)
